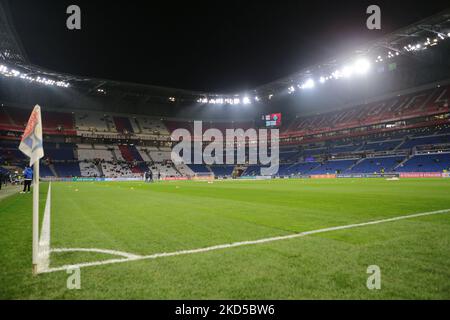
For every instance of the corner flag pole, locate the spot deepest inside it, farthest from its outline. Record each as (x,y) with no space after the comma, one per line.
(35,216)
(32,146)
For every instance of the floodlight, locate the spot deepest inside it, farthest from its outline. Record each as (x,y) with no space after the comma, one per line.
(309,84)
(337,74)
(361,66)
(347,71)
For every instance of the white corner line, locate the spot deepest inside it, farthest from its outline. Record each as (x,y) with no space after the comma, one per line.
(127,255)
(132,257)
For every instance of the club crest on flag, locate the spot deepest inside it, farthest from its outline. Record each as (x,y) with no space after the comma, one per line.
(31,143)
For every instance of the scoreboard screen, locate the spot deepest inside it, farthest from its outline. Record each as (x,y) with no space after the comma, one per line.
(271,120)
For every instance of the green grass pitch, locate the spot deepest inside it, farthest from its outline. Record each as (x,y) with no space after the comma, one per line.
(138,218)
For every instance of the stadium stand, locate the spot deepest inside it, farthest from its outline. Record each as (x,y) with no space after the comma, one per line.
(166,170)
(288,154)
(428,140)
(302,168)
(184,170)
(4,118)
(18,116)
(70,169)
(344,148)
(143,152)
(199,168)
(92,122)
(222,171)
(426,163)
(45,170)
(148,125)
(381,146)
(172,125)
(58,120)
(377,165)
(161,155)
(130,153)
(332,167)
(117,170)
(53,122)
(425,102)
(89,169)
(253,170)
(123,125)
(64,151)
(357,139)
(87,152)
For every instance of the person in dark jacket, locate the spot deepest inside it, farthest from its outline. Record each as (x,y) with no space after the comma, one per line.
(3,180)
(28,178)
(150,176)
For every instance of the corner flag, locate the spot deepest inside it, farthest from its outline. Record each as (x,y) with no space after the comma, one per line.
(31,145)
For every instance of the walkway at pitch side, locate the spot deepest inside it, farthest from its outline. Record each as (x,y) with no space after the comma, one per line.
(9,190)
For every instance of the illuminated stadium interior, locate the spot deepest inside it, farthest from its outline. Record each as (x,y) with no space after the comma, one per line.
(385,109)
(361,141)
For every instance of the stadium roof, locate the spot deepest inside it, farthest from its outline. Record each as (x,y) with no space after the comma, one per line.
(12,56)
(10,47)
(394,42)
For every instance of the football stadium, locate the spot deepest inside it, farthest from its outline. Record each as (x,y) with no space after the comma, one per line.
(332,182)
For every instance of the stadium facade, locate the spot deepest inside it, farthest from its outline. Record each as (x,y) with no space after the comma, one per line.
(337,118)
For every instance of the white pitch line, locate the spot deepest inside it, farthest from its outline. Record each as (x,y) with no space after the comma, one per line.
(44,241)
(106,251)
(235,244)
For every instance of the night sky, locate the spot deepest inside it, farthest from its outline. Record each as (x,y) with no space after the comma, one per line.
(221,46)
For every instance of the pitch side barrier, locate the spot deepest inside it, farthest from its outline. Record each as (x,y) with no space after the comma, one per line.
(87,179)
(371,175)
(255,177)
(384,175)
(81,179)
(424,175)
(317,176)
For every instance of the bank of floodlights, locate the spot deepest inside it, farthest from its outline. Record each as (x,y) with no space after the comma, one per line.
(13,73)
